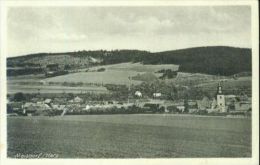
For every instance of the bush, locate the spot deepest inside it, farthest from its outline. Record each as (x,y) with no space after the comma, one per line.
(101,69)
(24,71)
(202,112)
(173,109)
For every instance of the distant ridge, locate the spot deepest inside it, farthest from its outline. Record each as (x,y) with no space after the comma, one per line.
(211,60)
(215,60)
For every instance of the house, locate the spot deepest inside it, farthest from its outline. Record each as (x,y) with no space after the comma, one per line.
(204,104)
(58,106)
(152,107)
(16,106)
(138,94)
(59,100)
(27,104)
(36,106)
(243,106)
(214,104)
(47,101)
(77,99)
(156,95)
(88,107)
(230,99)
(192,106)
(244,97)
(181,108)
(35,100)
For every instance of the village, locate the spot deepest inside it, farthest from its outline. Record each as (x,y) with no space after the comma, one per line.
(222,105)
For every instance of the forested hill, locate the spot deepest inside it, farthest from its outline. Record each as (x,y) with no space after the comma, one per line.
(211,60)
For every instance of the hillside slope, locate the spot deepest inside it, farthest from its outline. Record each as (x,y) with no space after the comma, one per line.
(217,60)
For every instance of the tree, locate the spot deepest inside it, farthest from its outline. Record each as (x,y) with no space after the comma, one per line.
(9,109)
(186,105)
(19,96)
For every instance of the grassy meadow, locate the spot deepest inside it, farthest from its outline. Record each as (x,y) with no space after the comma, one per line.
(106,77)
(130,136)
(113,74)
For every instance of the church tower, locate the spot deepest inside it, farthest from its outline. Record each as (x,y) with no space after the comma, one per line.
(221,99)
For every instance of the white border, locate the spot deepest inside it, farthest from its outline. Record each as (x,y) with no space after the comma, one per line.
(200,161)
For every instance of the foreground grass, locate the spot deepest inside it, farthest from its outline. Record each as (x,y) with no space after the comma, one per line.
(130,136)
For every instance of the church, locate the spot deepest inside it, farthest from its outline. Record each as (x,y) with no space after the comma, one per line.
(218,104)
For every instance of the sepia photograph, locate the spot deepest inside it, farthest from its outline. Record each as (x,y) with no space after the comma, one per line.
(129,82)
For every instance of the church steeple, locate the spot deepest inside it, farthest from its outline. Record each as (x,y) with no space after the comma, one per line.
(219,91)
(221,99)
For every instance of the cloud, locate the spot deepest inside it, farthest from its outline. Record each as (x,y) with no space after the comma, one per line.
(70,28)
(63,37)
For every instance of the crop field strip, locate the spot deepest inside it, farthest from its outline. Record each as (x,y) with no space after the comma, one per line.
(53,89)
(112,136)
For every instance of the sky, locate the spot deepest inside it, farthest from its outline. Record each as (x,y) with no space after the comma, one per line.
(60,29)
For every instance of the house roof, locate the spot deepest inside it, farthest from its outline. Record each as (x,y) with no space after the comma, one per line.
(47,100)
(28,104)
(78,99)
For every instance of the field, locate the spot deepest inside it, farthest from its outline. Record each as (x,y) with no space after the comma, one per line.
(240,85)
(130,136)
(138,67)
(15,88)
(114,74)
(231,83)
